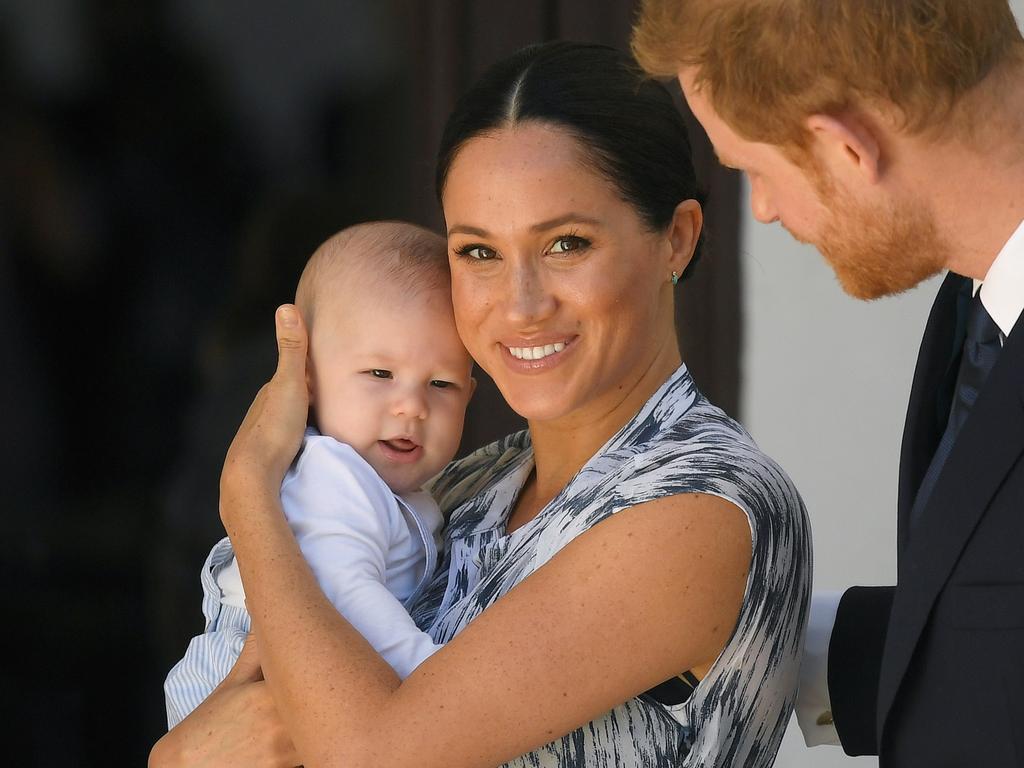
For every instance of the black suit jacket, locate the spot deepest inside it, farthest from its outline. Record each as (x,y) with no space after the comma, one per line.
(931,672)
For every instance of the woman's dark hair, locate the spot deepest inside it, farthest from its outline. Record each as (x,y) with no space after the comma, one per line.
(627,123)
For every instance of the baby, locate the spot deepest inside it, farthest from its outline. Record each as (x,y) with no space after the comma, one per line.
(389,383)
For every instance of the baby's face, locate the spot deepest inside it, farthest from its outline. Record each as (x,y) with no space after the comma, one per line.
(391,378)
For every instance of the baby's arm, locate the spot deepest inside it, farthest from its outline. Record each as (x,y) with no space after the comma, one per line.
(345,520)
(209,656)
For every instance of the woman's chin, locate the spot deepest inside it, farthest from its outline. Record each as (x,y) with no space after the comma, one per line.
(537,407)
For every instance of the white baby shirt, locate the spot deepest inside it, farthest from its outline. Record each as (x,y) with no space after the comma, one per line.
(371,551)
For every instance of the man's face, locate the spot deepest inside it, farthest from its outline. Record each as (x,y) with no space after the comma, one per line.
(877,245)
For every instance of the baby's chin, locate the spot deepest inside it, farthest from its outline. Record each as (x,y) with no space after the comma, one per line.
(402,483)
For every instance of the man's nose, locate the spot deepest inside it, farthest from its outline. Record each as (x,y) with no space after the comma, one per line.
(761,205)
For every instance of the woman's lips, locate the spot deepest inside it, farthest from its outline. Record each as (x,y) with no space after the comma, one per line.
(537,357)
(400,450)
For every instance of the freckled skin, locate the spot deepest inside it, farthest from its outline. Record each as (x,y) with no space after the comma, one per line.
(609,295)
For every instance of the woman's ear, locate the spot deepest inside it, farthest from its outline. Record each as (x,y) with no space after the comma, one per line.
(847,144)
(683,234)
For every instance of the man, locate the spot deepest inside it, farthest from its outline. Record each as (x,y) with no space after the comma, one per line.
(890,134)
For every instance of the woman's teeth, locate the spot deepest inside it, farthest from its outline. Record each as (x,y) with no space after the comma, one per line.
(536,353)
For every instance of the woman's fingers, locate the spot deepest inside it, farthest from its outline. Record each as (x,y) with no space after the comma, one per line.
(237,725)
(271,432)
(291,347)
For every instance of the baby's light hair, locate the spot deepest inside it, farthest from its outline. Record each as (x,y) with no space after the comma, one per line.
(393,253)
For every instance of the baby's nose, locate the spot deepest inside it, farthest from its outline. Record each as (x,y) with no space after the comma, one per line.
(411,403)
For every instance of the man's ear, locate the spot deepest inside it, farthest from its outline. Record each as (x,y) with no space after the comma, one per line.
(683,234)
(846,144)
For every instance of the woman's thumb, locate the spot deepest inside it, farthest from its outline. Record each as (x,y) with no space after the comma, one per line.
(291,344)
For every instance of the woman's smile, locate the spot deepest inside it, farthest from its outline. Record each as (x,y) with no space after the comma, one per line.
(538,352)
(560,288)
(538,358)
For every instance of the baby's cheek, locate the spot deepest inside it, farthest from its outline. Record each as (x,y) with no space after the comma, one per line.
(448,436)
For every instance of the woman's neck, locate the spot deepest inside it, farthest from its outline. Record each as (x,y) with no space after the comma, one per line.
(562,446)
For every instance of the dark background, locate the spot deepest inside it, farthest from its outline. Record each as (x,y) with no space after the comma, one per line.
(166,167)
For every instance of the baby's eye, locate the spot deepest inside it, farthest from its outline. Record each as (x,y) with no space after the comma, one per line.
(380,373)
(441,384)
(476,252)
(568,243)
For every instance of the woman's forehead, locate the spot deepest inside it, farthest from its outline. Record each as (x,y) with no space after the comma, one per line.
(526,166)
(526,142)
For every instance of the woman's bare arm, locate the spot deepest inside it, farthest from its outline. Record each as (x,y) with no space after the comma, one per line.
(239,721)
(642,596)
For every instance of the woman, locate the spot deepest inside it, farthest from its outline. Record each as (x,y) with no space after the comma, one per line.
(633,540)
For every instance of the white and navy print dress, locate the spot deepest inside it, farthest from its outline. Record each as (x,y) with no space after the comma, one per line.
(677,443)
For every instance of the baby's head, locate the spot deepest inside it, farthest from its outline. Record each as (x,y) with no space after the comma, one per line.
(387,372)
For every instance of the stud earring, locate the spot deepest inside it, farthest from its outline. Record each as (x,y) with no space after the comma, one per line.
(675,277)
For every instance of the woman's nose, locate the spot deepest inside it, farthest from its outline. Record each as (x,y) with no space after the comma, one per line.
(528,299)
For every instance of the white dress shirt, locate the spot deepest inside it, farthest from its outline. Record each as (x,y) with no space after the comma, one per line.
(1002,294)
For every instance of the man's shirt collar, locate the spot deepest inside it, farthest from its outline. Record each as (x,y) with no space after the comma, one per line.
(1002,290)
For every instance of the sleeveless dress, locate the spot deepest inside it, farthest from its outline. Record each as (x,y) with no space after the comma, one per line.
(677,443)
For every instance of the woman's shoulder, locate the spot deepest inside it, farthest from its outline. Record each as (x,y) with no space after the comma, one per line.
(704,450)
(701,439)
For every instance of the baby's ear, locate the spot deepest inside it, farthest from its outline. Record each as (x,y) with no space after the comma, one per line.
(472,387)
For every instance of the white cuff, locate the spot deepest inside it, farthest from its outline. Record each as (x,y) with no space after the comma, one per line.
(813,705)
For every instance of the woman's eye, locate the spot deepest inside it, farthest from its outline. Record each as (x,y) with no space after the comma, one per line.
(380,373)
(568,243)
(476,252)
(439,384)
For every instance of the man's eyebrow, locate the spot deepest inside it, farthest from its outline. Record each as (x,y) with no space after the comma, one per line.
(540,226)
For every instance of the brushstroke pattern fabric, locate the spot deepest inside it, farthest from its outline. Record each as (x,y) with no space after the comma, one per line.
(677,443)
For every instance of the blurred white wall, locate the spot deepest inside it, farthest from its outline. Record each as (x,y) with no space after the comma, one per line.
(824,390)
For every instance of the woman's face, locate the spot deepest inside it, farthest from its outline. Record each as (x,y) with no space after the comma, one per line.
(561,291)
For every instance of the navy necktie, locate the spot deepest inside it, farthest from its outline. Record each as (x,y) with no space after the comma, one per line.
(981,348)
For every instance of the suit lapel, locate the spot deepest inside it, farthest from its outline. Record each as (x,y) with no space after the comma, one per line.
(986,449)
(939,354)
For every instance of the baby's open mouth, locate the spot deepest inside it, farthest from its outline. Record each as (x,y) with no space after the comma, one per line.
(401,444)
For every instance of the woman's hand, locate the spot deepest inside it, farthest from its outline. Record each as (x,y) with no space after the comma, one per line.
(237,725)
(271,432)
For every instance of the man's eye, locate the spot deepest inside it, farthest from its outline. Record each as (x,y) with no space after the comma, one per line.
(441,384)
(476,252)
(569,243)
(380,373)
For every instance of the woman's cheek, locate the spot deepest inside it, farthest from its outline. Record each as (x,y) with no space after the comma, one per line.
(471,309)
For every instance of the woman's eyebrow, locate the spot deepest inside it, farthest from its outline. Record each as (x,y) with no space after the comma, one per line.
(568,218)
(541,226)
(465,229)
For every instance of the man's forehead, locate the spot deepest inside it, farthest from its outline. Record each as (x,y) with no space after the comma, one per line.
(700,105)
